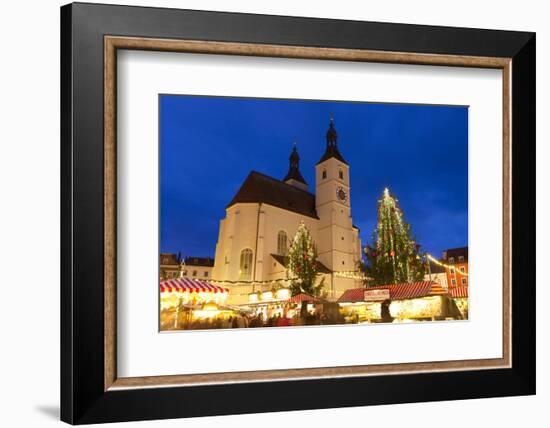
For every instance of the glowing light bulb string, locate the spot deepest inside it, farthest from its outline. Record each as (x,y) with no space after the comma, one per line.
(350,274)
(446,266)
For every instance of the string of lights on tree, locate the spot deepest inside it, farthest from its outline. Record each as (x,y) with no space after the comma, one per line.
(302,264)
(393,257)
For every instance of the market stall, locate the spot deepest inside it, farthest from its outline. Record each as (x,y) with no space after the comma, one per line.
(417,301)
(269,303)
(185,302)
(192,291)
(460,297)
(272,305)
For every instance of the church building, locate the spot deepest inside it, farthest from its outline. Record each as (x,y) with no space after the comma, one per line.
(263,217)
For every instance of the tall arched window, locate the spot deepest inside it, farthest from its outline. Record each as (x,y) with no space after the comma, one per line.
(245,271)
(282,246)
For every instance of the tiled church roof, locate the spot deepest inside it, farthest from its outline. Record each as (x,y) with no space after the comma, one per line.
(259,187)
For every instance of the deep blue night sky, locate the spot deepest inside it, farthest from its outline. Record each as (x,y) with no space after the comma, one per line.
(208,145)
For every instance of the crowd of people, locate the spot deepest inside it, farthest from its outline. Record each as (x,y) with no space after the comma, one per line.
(281,315)
(252,320)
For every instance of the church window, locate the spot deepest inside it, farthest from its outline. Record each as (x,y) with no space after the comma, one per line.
(282,246)
(341,174)
(245,271)
(324,173)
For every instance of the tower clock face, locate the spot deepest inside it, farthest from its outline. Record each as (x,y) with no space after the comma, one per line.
(341,194)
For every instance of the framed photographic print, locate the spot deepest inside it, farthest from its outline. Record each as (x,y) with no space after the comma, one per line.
(272,213)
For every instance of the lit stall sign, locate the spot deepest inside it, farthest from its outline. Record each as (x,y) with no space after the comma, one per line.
(376,295)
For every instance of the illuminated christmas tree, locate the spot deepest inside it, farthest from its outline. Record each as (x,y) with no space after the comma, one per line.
(393,257)
(302,263)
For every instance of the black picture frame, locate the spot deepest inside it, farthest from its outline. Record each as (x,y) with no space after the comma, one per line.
(83,398)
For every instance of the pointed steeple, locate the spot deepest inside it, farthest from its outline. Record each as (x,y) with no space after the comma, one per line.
(294,158)
(332,135)
(294,177)
(331,150)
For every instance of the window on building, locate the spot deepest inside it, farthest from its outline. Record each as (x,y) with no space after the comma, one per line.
(453,281)
(464,281)
(205,274)
(226,259)
(245,271)
(452,270)
(324,173)
(184,273)
(282,246)
(463,269)
(194,273)
(460,258)
(341,174)
(451,259)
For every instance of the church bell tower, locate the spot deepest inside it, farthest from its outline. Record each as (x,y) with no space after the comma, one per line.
(337,239)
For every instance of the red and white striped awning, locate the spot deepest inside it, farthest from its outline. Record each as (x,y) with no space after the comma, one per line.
(459,292)
(404,291)
(182,285)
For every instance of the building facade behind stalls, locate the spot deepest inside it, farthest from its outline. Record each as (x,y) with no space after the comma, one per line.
(457,261)
(172,266)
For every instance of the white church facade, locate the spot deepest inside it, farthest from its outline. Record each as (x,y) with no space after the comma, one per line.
(263,217)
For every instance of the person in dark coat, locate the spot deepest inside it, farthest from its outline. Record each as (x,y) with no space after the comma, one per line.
(385,311)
